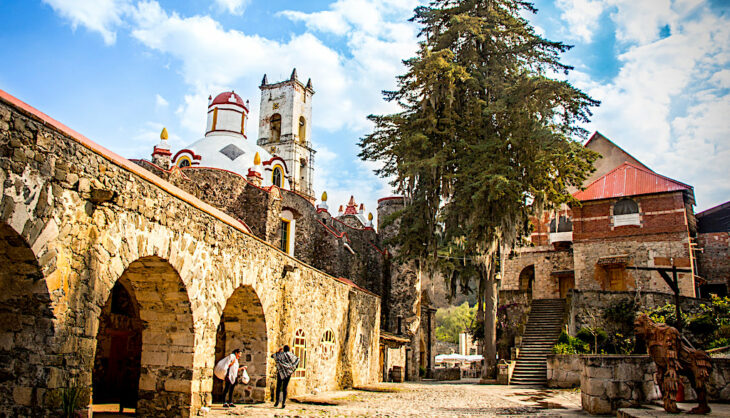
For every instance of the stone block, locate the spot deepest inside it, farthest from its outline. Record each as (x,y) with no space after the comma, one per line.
(594,387)
(179,359)
(153,358)
(595,405)
(177,385)
(22,395)
(148,382)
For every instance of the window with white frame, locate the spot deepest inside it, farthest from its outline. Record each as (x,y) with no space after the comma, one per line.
(288,232)
(626,212)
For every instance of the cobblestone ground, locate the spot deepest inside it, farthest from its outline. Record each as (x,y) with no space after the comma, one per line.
(423,399)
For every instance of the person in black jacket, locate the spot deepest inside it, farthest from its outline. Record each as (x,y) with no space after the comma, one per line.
(286,364)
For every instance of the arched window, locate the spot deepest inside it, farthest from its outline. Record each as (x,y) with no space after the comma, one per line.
(625,207)
(328,344)
(288,230)
(302,130)
(626,212)
(276,127)
(183,162)
(300,350)
(276,177)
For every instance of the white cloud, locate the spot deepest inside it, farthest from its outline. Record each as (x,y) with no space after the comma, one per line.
(236,7)
(103,16)
(581,16)
(160,101)
(638,22)
(669,101)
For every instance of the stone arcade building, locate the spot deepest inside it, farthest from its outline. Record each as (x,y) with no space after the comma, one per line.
(132,279)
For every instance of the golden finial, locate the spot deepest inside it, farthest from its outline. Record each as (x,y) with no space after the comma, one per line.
(163,134)
(256,159)
(324,196)
(370,216)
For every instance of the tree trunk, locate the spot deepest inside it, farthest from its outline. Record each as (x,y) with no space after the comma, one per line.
(491,296)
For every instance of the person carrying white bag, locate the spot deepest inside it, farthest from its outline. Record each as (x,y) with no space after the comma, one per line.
(227,370)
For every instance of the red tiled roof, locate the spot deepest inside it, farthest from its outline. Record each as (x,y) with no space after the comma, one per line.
(225,98)
(629,180)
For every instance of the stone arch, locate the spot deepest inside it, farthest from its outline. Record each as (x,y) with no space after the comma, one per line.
(527,278)
(27,333)
(167,336)
(243,325)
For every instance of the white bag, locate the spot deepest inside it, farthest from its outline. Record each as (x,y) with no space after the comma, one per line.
(244,377)
(221,368)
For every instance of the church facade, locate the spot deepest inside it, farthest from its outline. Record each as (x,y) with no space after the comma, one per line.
(129,279)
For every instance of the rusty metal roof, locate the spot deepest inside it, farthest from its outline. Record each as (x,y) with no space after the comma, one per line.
(629,180)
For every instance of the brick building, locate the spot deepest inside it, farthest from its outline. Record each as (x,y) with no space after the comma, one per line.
(628,216)
(713,250)
(579,260)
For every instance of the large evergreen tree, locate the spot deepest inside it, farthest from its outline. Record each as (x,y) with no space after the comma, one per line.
(485,139)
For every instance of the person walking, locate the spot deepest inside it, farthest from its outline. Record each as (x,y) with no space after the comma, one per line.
(286,364)
(227,370)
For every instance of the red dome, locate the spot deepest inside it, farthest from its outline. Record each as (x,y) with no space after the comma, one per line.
(228,97)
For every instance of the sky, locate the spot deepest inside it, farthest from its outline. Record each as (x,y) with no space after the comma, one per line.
(118,71)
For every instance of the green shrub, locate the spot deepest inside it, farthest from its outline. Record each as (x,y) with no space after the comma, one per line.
(569,345)
(707,328)
(720,342)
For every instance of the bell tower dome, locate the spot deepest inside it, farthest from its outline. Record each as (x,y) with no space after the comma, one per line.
(285,127)
(227,115)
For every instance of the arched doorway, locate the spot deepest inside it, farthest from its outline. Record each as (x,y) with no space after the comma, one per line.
(26,328)
(527,278)
(118,349)
(147,316)
(243,325)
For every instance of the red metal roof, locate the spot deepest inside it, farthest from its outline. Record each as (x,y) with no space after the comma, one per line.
(629,180)
(228,97)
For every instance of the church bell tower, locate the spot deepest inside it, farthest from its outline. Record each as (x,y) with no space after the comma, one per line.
(285,126)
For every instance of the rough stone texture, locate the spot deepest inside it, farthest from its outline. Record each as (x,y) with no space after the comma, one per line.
(611,382)
(545,261)
(447,373)
(513,309)
(597,301)
(75,220)
(608,383)
(405,298)
(563,370)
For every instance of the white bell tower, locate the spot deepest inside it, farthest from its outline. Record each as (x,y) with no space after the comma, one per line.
(285,124)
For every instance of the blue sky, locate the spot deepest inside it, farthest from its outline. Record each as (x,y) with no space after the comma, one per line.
(119,70)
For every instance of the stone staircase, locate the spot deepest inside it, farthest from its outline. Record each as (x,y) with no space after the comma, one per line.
(541,333)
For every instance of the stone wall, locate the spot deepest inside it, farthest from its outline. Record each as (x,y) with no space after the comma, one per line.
(76,218)
(641,252)
(611,382)
(563,370)
(608,383)
(447,373)
(598,301)
(545,261)
(512,311)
